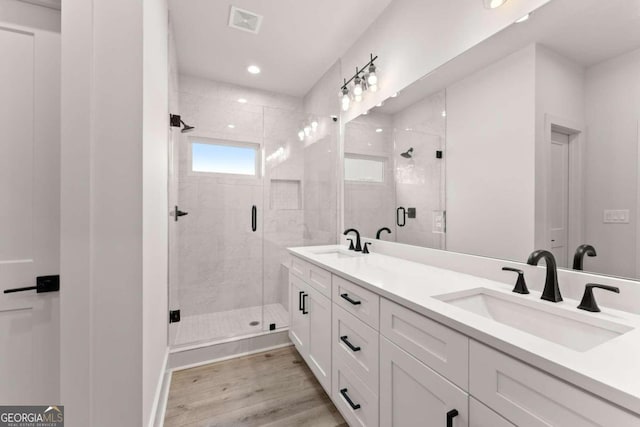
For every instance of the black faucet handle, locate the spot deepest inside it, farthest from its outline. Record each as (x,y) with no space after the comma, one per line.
(521,284)
(365,249)
(588,302)
(351,247)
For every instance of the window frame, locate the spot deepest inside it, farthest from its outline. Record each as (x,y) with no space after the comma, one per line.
(226,143)
(356,156)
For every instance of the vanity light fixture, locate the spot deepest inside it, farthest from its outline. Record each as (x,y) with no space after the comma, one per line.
(309,127)
(253,69)
(365,78)
(493,4)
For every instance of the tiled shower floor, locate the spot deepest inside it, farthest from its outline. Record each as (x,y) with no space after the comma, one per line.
(228,324)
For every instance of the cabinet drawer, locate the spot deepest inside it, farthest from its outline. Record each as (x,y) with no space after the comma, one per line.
(320,279)
(357,345)
(357,300)
(412,394)
(300,267)
(529,397)
(363,408)
(316,276)
(442,349)
(481,416)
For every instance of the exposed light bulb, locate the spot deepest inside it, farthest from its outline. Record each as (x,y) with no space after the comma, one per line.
(357,98)
(357,88)
(314,125)
(372,78)
(345,99)
(301,135)
(373,88)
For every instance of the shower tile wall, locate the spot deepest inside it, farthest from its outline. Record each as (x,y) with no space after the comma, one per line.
(370,206)
(419,181)
(220,261)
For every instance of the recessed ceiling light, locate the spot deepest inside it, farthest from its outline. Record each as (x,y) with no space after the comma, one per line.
(253,69)
(523,19)
(492,4)
(230,126)
(379,130)
(242,100)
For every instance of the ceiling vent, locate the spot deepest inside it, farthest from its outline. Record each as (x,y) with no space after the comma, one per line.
(244,20)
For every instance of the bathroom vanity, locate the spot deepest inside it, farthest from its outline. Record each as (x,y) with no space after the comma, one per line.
(402,343)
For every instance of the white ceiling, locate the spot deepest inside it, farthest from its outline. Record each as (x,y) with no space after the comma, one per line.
(586,32)
(298,41)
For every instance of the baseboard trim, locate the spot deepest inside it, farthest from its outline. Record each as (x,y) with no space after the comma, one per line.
(161,395)
(190,358)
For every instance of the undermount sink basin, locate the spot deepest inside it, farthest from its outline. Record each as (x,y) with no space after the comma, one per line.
(577,331)
(336,253)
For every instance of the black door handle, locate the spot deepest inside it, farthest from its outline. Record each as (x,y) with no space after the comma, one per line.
(178,213)
(404,217)
(43,284)
(344,394)
(254,218)
(300,300)
(450,416)
(345,340)
(304,304)
(352,301)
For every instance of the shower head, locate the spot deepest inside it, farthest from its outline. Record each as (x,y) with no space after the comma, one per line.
(186,127)
(407,154)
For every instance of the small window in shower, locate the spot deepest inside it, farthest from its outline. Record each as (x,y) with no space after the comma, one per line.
(364,168)
(224,157)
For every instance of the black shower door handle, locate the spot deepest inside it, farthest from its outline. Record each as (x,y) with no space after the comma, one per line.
(254,218)
(404,216)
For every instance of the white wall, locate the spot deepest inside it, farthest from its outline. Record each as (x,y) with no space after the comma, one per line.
(114,284)
(612,106)
(155,162)
(414,37)
(490,159)
(30,15)
(559,89)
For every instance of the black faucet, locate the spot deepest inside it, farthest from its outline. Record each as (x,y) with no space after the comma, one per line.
(381,230)
(551,290)
(578,258)
(358,245)
(589,302)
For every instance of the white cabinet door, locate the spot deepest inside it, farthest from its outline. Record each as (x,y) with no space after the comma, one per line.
(299,321)
(318,309)
(481,416)
(412,394)
(30,215)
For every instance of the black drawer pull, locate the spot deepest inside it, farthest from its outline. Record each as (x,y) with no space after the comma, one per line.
(351,346)
(304,304)
(300,300)
(450,416)
(344,394)
(352,301)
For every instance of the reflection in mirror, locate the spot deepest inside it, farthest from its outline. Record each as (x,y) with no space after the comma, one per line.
(406,193)
(540,141)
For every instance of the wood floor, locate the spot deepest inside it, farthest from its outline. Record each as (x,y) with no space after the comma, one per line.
(274,388)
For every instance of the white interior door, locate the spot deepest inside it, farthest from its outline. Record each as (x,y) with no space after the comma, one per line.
(30,214)
(559,201)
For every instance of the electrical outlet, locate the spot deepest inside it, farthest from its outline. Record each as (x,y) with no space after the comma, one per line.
(616,216)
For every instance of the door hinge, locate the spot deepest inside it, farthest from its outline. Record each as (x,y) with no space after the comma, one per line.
(174,316)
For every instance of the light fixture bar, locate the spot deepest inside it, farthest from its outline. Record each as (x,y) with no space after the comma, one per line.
(360,71)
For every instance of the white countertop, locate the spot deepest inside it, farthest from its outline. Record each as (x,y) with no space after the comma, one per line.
(610,370)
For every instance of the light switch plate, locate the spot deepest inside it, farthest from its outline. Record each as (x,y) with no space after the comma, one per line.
(438,222)
(616,216)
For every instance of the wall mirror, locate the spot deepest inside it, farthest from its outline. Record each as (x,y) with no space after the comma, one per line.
(527,141)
